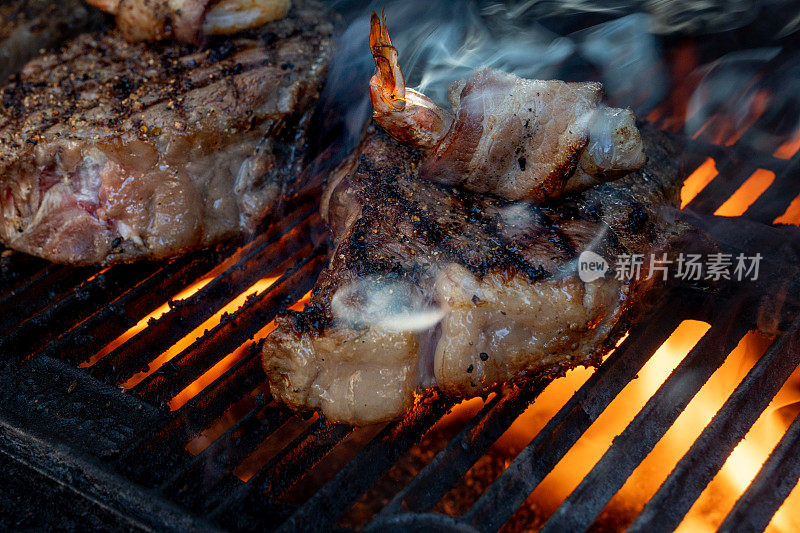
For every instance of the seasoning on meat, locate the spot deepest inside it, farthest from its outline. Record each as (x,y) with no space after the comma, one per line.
(115,151)
(433,286)
(28,26)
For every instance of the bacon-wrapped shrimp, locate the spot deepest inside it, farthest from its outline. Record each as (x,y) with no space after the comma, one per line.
(517,138)
(189,20)
(409,116)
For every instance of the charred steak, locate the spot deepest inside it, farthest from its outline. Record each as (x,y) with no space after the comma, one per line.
(115,151)
(432,286)
(27,26)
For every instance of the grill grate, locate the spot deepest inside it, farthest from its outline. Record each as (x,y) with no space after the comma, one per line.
(194,439)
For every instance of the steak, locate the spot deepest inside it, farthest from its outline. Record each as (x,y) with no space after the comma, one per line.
(436,287)
(116,151)
(28,26)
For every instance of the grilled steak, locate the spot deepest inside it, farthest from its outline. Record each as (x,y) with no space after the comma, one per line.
(27,26)
(431,286)
(115,151)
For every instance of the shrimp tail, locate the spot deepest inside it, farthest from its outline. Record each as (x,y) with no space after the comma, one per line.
(407,115)
(390,77)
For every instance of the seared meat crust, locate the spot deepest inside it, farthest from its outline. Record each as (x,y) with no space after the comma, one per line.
(116,151)
(431,286)
(28,26)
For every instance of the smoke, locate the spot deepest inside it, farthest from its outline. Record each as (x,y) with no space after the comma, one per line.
(441,42)
(735,88)
(386,304)
(444,42)
(617,42)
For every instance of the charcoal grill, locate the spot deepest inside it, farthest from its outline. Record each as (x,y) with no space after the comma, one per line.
(99,429)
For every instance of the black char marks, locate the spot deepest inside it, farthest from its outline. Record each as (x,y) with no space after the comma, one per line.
(115,151)
(472,291)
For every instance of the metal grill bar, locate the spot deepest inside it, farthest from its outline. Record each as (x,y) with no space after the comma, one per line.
(171,435)
(449,465)
(733,172)
(154,451)
(699,150)
(232,331)
(775,480)
(141,349)
(36,293)
(210,469)
(776,199)
(280,472)
(138,508)
(528,469)
(332,500)
(210,403)
(686,482)
(17,269)
(73,307)
(651,423)
(14,284)
(112,320)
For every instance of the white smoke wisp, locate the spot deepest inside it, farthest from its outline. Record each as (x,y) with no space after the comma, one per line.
(727,85)
(385,304)
(443,42)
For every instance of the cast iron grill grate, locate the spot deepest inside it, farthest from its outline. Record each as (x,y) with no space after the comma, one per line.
(171,426)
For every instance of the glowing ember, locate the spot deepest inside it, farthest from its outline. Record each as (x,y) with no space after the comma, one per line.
(225,422)
(792,214)
(273,445)
(698,180)
(789,148)
(743,464)
(747,194)
(462,412)
(165,307)
(144,322)
(232,415)
(228,361)
(574,466)
(535,417)
(259,286)
(721,494)
(649,475)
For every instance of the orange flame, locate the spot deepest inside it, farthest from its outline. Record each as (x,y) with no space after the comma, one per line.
(792,214)
(165,307)
(144,322)
(789,148)
(721,494)
(202,441)
(743,464)
(574,466)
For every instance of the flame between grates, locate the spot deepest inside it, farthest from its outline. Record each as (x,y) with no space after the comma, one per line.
(154,414)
